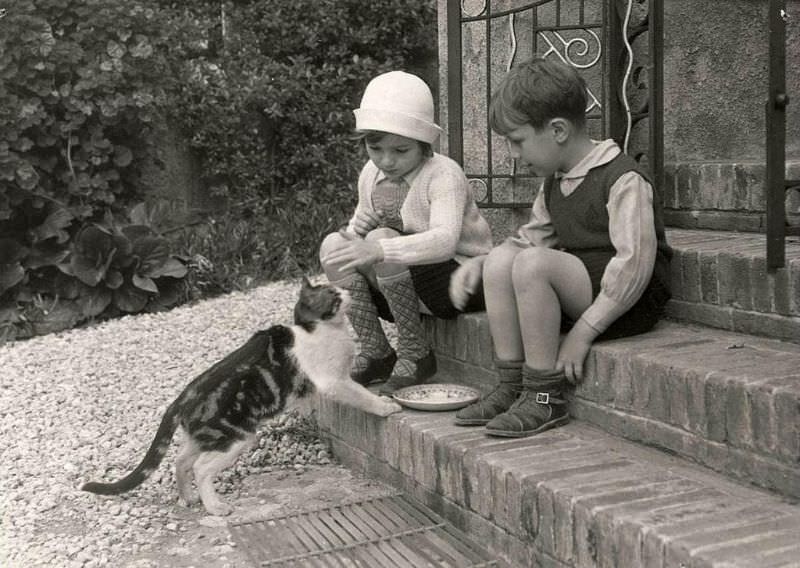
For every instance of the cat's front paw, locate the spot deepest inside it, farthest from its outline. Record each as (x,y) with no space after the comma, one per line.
(188,500)
(388,407)
(218,509)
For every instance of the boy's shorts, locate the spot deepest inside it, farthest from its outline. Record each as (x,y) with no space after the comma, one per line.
(432,284)
(642,316)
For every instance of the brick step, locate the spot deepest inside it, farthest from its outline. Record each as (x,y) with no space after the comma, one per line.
(726,400)
(570,497)
(720,279)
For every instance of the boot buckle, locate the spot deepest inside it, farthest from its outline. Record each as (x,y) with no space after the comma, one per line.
(543,398)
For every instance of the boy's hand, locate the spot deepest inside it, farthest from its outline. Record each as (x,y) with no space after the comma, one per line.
(365,221)
(574,349)
(465,280)
(354,254)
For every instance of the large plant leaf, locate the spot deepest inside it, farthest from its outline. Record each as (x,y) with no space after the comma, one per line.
(95,301)
(137,231)
(170,292)
(10,275)
(153,253)
(145,283)
(173,268)
(54,226)
(94,251)
(67,287)
(11,251)
(64,314)
(114,279)
(130,299)
(43,254)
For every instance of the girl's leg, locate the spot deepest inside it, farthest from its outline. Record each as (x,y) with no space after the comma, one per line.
(545,282)
(504,325)
(376,358)
(415,360)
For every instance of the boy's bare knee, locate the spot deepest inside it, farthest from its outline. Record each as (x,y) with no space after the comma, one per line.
(500,260)
(531,263)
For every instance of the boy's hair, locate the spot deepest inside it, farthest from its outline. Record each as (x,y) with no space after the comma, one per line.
(535,92)
(375,136)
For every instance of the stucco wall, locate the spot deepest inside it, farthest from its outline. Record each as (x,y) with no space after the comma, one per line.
(715,79)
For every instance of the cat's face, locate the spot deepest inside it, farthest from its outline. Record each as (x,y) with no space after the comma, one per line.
(321,302)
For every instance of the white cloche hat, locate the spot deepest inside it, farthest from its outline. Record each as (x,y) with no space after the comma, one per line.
(399,103)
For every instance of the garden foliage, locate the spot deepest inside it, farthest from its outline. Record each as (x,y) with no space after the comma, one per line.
(269,111)
(263,96)
(81,84)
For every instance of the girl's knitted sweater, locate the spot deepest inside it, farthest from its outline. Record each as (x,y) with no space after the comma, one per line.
(440,218)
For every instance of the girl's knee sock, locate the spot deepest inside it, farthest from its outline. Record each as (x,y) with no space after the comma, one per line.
(404,303)
(363,316)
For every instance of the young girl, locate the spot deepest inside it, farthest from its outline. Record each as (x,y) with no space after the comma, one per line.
(593,260)
(415,222)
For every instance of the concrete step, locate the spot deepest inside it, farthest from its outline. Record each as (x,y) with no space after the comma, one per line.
(720,279)
(570,497)
(728,401)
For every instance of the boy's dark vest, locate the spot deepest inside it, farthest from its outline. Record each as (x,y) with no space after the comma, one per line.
(581,219)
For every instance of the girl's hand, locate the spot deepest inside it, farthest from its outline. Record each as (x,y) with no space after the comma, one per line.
(355,254)
(365,221)
(574,349)
(465,280)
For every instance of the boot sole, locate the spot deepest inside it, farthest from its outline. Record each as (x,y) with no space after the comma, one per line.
(471,421)
(525,433)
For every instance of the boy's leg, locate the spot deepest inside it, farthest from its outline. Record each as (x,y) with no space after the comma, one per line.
(546,281)
(501,302)
(498,400)
(540,407)
(376,359)
(501,307)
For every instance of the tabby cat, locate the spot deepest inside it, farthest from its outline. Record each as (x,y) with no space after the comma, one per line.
(220,410)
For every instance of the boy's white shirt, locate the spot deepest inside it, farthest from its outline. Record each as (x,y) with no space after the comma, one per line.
(631,228)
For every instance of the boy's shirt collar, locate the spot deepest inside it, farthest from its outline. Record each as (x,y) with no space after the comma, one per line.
(603,152)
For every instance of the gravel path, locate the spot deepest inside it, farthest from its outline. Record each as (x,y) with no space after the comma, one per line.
(84,404)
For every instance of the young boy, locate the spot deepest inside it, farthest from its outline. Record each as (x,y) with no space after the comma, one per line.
(593,260)
(415,222)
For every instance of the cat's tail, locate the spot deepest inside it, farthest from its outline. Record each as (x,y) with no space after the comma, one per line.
(150,462)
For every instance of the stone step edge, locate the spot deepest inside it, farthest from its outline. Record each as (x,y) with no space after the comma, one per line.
(573,496)
(777,326)
(721,279)
(728,401)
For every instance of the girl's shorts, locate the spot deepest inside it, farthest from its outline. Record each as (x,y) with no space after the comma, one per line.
(642,316)
(432,284)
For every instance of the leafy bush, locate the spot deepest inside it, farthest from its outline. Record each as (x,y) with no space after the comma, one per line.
(82,83)
(270,112)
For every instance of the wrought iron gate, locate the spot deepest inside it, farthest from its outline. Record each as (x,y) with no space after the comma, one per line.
(777,185)
(616,45)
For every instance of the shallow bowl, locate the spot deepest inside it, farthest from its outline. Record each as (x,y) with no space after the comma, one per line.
(436,396)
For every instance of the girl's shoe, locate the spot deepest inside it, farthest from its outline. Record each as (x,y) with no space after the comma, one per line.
(376,369)
(425,369)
